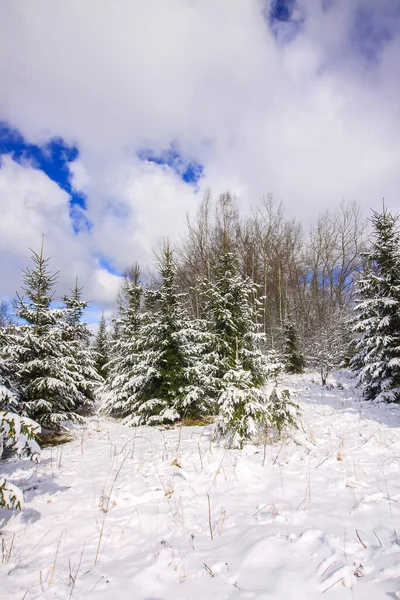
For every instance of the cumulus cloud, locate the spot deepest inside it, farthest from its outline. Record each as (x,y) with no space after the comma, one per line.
(105,286)
(311,117)
(32,205)
(138,204)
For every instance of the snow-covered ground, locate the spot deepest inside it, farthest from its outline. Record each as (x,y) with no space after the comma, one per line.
(147,514)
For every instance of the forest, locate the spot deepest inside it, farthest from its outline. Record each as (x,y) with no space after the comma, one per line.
(208,334)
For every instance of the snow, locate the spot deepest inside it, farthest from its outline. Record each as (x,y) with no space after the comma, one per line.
(156,514)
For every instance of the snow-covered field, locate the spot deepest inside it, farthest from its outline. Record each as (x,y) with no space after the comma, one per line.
(147,514)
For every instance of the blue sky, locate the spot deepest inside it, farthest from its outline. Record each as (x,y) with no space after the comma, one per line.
(190,171)
(282,10)
(108,142)
(54,158)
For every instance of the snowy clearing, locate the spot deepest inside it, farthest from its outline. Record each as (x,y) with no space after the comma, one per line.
(167,514)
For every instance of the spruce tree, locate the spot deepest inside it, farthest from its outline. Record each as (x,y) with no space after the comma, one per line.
(124,378)
(158,370)
(229,303)
(37,353)
(377,313)
(17,437)
(164,347)
(179,351)
(76,336)
(242,370)
(101,348)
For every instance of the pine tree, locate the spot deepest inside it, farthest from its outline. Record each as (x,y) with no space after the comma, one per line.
(124,377)
(164,346)
(158,372)
(242,370)
(101,348)
(377,313)
(179,351)
(8,399)
(17,437)
(229,301)
(294,359)
(38,356)
(76,335)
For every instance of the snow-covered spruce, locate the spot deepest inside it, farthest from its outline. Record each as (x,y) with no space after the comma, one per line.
(8,399)
(160,369)
(245,410)
(231,307)
(245,403)
(124,380)
(17,436)
(102,348)
(82,358)
(46,358)
(242,407)
(377,313)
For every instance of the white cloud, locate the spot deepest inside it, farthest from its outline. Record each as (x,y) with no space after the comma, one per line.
(146,203)
(312,121)
(31,204)
(106,286)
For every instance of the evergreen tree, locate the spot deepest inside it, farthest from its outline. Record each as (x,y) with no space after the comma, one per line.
(101,348)
(242,406)
(76,335)
(158,372)
(37,354)
(229,302)
(124,377)
(8,399)
(164,348)
(179,351)
(242,369)
(17,437)
(377,310)
(294,359)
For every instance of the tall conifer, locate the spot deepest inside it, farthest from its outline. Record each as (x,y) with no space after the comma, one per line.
(377,313)
(43,374)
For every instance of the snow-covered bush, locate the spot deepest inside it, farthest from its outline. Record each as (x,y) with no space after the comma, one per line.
(242,408)
(17,435)
(282,408)
(328,346)
(245,410)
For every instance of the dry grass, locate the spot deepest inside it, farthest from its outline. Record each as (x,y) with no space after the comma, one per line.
(50,438)
(194,422)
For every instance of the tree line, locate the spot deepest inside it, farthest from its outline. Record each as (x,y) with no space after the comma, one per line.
(240,299)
